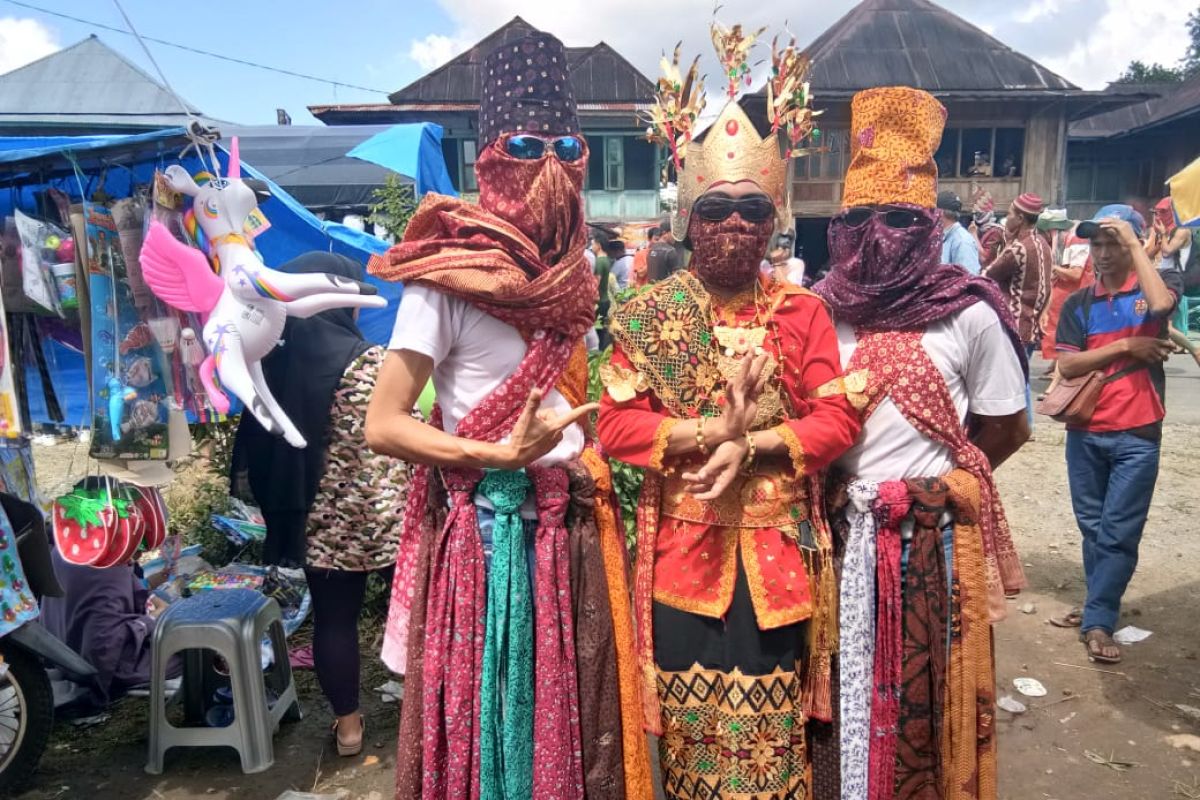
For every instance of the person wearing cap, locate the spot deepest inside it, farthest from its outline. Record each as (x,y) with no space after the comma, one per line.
(1117,326)
(958,246)
(927,348)
(987,231)
(1023,267)
(1169,246)
(1072,272)
(509,613)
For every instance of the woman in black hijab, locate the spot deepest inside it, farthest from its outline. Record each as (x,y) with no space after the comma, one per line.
(334,508)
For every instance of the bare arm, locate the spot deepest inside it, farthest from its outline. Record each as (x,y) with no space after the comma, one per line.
(1179,239)
(391,429)
(1159,298)
(1000,437)
(1139,348)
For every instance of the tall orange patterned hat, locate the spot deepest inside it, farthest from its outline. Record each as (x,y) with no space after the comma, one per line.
(894,132)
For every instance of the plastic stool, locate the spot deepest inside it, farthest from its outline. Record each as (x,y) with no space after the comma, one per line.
(230,622)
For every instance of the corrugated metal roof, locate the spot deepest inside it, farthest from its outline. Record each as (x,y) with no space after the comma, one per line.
(310,161)
(1174,102)
(87,83)
(598,73)
(918,43)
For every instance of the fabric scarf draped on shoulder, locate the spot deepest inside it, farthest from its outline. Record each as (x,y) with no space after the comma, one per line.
(465,251)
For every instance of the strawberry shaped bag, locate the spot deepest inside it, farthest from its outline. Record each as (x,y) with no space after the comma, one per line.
(154,512)
(127,528)
(85,522)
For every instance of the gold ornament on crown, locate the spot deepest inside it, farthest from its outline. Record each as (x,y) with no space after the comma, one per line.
(789,99)
(732,150)
(733,48)
(679,100)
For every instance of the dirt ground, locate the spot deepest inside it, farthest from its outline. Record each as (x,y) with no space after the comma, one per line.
(1101,735)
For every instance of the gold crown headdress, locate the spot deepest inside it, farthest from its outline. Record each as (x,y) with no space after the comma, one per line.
(732,150)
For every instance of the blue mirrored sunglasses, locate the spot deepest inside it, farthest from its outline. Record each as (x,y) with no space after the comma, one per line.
(527,146)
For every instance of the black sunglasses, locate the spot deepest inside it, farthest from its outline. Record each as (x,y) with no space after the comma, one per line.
(899,218)
(718,207)
(529,147)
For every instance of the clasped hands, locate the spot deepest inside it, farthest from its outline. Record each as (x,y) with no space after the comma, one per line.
(730,430)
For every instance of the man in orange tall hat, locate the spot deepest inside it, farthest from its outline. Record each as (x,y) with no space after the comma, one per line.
(937,372)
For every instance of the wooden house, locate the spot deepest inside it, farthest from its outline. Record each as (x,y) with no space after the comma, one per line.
(623,170)
(1127,155)
(1006,131)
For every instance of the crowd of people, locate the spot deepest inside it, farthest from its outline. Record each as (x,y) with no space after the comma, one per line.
(821,548)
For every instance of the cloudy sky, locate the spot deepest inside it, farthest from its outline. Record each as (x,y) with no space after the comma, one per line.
(386,44)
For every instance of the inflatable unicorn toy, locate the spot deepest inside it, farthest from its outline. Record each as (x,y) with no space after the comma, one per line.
(247,305)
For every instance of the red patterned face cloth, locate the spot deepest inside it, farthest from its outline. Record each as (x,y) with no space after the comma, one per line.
(541,197)
(727,254)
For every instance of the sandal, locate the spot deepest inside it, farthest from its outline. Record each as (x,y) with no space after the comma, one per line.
(1071,619)
(1097,642)
(349,748)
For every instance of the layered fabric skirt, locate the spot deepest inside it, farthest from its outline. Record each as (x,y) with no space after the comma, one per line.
(528,706)
(916,704)
(730,694)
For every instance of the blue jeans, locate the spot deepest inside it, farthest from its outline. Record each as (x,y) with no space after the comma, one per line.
(1112,477)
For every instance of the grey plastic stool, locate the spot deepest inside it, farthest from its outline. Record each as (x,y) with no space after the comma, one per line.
(230,622)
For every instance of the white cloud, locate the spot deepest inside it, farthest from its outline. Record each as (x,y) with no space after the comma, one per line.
(435,49)
(1038,9)
(641,34)
(1116,34)
(22,41)
(1089,42)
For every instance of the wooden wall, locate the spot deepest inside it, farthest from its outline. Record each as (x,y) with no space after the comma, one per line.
(1042,165)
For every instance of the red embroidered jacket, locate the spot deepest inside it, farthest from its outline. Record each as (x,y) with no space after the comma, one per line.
(698,545)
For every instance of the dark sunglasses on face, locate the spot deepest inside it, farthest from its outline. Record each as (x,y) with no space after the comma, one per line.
(899,218)
(528,147)
(718,207)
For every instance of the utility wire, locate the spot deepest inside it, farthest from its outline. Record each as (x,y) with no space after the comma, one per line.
(190,49)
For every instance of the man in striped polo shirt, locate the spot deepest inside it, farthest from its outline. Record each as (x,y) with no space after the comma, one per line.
(1119,325)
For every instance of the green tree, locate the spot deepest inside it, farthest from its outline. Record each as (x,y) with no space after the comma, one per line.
(395,203)
(1190,63)
(1138,72)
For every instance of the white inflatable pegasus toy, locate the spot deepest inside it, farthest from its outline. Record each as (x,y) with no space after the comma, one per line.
(248,303)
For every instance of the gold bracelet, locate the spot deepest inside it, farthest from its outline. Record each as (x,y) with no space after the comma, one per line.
(701,445)
(751,452)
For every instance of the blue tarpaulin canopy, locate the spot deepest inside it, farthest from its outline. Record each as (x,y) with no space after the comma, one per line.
(77,165)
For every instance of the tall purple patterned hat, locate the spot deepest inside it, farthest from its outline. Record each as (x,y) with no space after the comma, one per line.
(527,88)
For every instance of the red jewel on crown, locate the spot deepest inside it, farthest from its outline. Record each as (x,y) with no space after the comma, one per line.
(731,127)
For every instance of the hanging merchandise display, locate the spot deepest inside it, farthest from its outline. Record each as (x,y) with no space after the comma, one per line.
(16,470)
(40,245)
(10,417)
(247,303)
(17,603)
(130,409)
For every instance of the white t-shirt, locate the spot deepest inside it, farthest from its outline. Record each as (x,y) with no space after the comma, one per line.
(472,353)
(983,374)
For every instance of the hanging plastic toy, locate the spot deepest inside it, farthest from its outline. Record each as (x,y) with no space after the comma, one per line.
(248,303)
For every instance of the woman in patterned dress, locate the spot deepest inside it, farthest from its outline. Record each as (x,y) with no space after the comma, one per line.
(335,507)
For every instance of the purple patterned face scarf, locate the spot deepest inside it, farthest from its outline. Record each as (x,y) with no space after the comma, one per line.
(888,278)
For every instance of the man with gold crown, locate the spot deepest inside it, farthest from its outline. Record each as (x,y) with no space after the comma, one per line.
(510,611)
(937,372)
(713,389)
